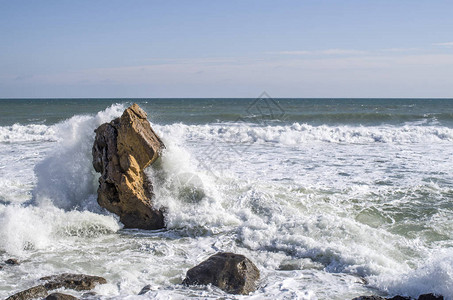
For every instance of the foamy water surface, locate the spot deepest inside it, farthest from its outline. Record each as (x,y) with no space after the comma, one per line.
(326,211)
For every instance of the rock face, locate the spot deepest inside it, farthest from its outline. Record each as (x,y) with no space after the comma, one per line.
(122,150)
(233,273)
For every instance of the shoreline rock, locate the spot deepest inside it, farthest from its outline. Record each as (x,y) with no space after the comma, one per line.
(233,273)
(77,282)
(121,151)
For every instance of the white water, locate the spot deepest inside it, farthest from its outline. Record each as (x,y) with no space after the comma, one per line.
(315,207)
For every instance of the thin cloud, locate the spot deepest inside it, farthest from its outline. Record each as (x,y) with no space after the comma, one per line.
(322,52)
(447,44)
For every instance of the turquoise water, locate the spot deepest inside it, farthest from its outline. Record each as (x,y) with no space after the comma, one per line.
(331,198)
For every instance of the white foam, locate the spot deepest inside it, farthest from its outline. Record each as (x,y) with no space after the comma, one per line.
(32,228)
(433,275)
(26,133)
(66,176)
(303,133)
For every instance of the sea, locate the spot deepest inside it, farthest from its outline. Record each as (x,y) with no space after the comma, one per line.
(330,198)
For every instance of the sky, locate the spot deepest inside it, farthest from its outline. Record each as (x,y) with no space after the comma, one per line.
(149,49)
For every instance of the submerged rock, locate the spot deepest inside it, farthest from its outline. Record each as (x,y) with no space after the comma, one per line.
(78,282)
(60,296)
(12,261)
(32,293)
(122,150)
(233,273)
(145,289)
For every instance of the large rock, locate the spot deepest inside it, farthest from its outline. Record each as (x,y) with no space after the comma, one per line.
(122,150)
(233,273)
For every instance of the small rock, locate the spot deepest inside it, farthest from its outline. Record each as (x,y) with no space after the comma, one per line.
(34,292)
(430,297)
(233,273)
(89,295)
(78,282)
(145,289)
(60,296)
(399,298)
(12,261)
(369,298)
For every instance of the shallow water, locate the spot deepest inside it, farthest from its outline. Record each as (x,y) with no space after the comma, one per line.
(331,199)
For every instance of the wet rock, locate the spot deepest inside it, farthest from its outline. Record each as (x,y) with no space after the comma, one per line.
(369,298)
(60,296)
(233,273)
(78,282)
(32,293)
(145,289)
(430,297)
(399,298)
(12,262)
(122,150)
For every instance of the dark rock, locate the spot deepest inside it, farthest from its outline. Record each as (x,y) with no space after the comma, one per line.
(233,273)
(78,282)
(34,292)
(12,262)
(430,297)
(369,298)
(121,151)
(399,298)
(60,296)
(145,289)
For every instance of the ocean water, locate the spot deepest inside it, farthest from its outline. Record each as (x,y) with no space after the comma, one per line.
(330,198)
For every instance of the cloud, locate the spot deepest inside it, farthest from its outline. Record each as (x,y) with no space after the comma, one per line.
(322,52)
(23,77)
(447,44)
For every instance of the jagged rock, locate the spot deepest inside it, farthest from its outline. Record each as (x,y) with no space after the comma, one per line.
(122,150)
(233,273)
(78,282)
(12,261)
(60,296)
(399,298)
(430,297)
(32,293)
(368,298)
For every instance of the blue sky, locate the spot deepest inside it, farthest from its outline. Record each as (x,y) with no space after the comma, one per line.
(226,48)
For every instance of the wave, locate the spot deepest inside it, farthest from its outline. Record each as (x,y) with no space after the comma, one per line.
(27,133)
(245,132)
(303,133)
